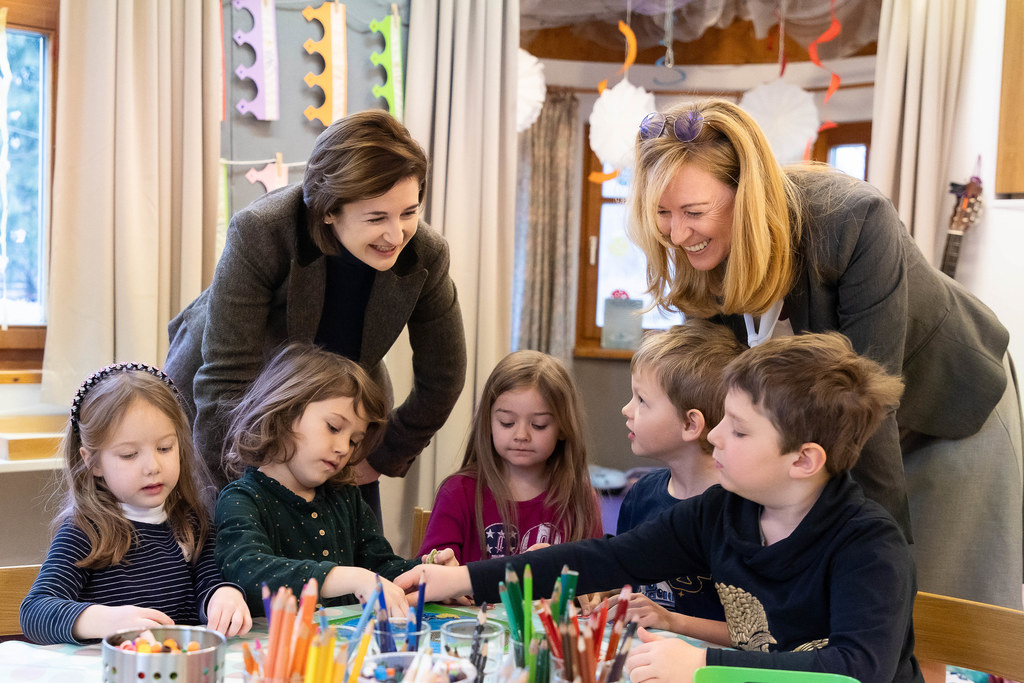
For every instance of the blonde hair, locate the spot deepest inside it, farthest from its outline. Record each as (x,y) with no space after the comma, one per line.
(569,491)
(816,389)
(761,266)
(688,361)
(86,501)
(300,374)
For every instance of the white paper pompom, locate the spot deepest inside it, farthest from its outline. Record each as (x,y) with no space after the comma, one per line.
(532,90)
(787,115)
(614,121)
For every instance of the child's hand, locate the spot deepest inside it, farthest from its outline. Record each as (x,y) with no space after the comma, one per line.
(442,582)
(647,613)
(361,583)
(538,546)
(445,556)
(98,621)
(227,612)
(592,601)
(663,660)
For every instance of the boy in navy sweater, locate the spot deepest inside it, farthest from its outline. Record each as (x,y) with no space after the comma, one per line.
(677,395)
(811,574)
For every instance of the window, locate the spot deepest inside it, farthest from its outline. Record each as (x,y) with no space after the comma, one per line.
(610,261)
(25,134)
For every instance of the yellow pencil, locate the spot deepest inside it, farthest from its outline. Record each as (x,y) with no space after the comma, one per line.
(327,657)
(313,659)
(357,662)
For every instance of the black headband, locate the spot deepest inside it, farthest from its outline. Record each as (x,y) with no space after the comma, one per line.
(100,375)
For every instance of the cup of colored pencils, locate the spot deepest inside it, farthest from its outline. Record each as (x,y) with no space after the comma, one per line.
(565,648)
(299,648)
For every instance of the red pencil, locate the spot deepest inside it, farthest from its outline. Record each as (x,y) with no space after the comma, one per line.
(599,628)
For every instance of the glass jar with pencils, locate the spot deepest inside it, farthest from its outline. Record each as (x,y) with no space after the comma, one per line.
(481,642)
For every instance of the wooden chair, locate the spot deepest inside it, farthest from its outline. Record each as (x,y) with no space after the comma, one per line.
(14,585)
(971,635)
(420,517)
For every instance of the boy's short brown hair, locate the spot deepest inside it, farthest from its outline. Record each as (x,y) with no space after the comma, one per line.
(816,388)
(688,361)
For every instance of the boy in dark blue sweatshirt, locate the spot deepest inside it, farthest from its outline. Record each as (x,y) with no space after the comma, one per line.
(812,575)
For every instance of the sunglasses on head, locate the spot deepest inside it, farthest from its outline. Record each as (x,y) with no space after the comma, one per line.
(686,128)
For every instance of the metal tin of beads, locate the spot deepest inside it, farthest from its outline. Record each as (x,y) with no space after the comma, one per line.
(205,665)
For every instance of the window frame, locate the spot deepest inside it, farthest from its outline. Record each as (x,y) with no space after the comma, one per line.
(21,346)
(588,334)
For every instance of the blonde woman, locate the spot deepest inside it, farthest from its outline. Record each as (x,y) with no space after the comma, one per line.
(730,235)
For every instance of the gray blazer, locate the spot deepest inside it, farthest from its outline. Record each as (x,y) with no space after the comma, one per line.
(863,275)
(268,290)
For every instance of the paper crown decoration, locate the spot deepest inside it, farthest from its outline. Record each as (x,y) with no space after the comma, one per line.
(787,115)
(532,90)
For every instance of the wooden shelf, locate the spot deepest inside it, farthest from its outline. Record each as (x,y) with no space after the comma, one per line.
(34,465)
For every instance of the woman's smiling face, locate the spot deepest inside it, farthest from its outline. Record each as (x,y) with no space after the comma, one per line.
(695,214)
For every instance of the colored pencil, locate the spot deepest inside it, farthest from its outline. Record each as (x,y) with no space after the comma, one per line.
(527,604)
(267,608)
(602,618)
(282,646)
(620,657)
(516,594)
(510,613)
(357,662)
(420,594)
(250,661)
(364,618)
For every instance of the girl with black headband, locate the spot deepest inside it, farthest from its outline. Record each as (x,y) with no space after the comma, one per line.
(134,539)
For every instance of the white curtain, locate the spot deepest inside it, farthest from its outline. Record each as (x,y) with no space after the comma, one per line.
(134,184)
(460,103)
(922,49)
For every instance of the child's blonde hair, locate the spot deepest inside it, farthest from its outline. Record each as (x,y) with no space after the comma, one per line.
(688,361)
(99,408)
(569,492)
(300,374)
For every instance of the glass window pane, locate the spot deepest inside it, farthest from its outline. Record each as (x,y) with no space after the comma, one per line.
(21,281)
(617,187)
(850,159)
(622,265)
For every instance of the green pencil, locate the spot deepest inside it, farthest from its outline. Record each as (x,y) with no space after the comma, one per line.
(515,595)
(527,604)
(510,612)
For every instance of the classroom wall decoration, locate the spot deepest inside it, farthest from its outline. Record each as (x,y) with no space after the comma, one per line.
(333,80)
(272,176)
(390,59)
(266,105)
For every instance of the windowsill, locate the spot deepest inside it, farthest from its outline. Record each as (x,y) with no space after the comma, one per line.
(594,351)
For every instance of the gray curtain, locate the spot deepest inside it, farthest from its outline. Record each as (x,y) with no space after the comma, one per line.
(547,227)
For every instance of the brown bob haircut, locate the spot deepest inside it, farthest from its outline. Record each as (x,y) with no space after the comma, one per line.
(358,157)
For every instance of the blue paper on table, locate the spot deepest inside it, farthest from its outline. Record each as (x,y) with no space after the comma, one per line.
(623,323)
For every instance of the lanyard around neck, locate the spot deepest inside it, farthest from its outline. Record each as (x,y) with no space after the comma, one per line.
(763,329)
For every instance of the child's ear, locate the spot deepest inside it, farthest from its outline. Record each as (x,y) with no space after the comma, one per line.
(693,425)
(89,462)
(810,459)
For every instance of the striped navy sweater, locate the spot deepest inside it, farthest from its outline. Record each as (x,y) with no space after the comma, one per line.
(153,574)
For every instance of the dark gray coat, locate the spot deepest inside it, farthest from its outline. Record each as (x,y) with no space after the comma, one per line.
(863,275)
(268,290)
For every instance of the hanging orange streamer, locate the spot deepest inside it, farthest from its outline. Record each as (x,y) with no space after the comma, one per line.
(598,177)
(831,32)
(630,53)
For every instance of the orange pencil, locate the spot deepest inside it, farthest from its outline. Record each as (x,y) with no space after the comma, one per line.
(250,661)
(300,647)
(307,602)
(282,646)
(276,605)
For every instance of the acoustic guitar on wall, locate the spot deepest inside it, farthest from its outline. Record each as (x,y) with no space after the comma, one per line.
(965,216)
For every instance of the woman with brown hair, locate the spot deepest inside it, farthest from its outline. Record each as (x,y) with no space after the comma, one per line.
(343,261)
